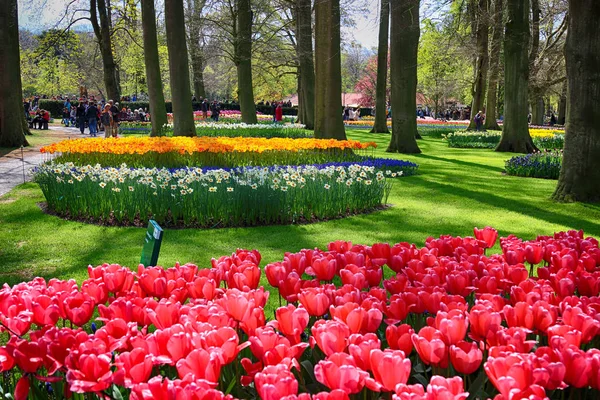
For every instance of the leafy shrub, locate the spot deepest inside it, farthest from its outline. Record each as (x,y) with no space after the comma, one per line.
(536,165)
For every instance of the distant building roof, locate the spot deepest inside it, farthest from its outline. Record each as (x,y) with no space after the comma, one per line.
(354,99)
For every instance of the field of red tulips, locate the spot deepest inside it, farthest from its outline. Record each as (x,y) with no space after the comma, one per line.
(384,321)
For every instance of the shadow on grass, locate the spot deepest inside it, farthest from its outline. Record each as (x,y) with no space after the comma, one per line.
(458,162)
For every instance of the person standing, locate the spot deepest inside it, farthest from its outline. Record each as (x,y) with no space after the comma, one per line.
(26,107)
(107,121)
(479,118)
(114,111)
(92,117)
(204,108)
(273,110)
(81,116)
(278,113)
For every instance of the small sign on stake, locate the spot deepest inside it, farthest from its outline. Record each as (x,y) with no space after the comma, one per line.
(152,242)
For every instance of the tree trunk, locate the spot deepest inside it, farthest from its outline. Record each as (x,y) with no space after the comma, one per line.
(328,67)
(179,71)
(12,132)
(103,32)
(305,59)
(562,105)
(482,61)
(515,135)
(194,23)
(158,111)
(380,124)
(243,62)
(537,110)
(491,119)
(580,174)
(403,75)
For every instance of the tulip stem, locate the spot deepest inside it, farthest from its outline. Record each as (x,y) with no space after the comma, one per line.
(531,270)
(10,330)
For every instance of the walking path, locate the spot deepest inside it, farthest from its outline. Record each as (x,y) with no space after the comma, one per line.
(14,163)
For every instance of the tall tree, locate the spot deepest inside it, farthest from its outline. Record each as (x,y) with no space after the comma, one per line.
(243,61)
(562,104)
(494,73)
(306,67)
(380,124)
(515,135)
(103,31)
(158,111)
(580,172)
(195,27)
(179,71)
(403,75)
(535,94)
(12,120)
(328,67)
(481,18)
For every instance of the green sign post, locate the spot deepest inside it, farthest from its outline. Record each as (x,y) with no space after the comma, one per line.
(152,243)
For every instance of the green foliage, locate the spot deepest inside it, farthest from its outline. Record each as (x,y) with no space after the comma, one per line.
(490,139)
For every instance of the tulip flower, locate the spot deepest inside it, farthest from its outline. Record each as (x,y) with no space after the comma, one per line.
(200,364)
(430,345)
(339,371)
(360,347)
(22,388)
(292,321)
(390,368)
(399,338)
(315,301)
(275,382)
(324,268)
(133,367)
(446,388)
(465,357)
(89,372)
(487,234)
(452,325)
(330,336)
(79,308)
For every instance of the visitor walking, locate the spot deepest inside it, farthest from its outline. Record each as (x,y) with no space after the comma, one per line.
(107,120)
(479,118)
(81,116)
(215,110)
(204,108)
(273,110)
(92,117)
(278,113)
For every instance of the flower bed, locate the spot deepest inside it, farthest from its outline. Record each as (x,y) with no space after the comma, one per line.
(542,138)
(536,165)
(190,333)
(204,151)
(215,197)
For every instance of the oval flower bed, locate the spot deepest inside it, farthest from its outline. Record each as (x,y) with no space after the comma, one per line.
(450,322)
(542,138)
(174,152)
(215,197)
(536,165)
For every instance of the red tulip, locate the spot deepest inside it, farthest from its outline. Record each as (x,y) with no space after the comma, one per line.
(441,388)
(28,356)
(203,288)
(352,275)
(79,308)
(237,304)
(487,234)
(588,326)
(324,268)
(243,277)
(333,395)
(315,301)
(158,389)
(339,371)
(399,338)
(357,318)
(45,310)
(452,325)
(223,341)
(22,388)
(330,336)
(116,278)
(275,382)
(292,322)
(534,253)
(7,362)
(200,364)
(89,372)
(430,346)
(133,367)
(396,310)
(164,315)
(276,273)
(521,315)
(390,368)
(578,367)
(360,347)
(96,289)
(466,357)
(484,323)
(544,316)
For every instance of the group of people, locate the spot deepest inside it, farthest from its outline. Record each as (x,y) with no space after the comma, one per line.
(271,103)
(95,116)
(351,114)
(214,107)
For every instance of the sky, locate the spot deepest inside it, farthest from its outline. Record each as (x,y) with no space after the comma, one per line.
(38,15)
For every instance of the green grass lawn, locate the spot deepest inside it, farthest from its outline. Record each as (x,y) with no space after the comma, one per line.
(455,190)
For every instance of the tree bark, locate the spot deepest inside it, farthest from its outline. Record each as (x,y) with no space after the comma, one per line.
(243,61)
(491,119)
(562,105)
(103,32)
(328,67)
(196,52)
(537,110)
(12,131)
(305,60)
(482,59)
(158,111)
(515,135)
(179,71)
(380,123)
(403,75)
(580,174)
